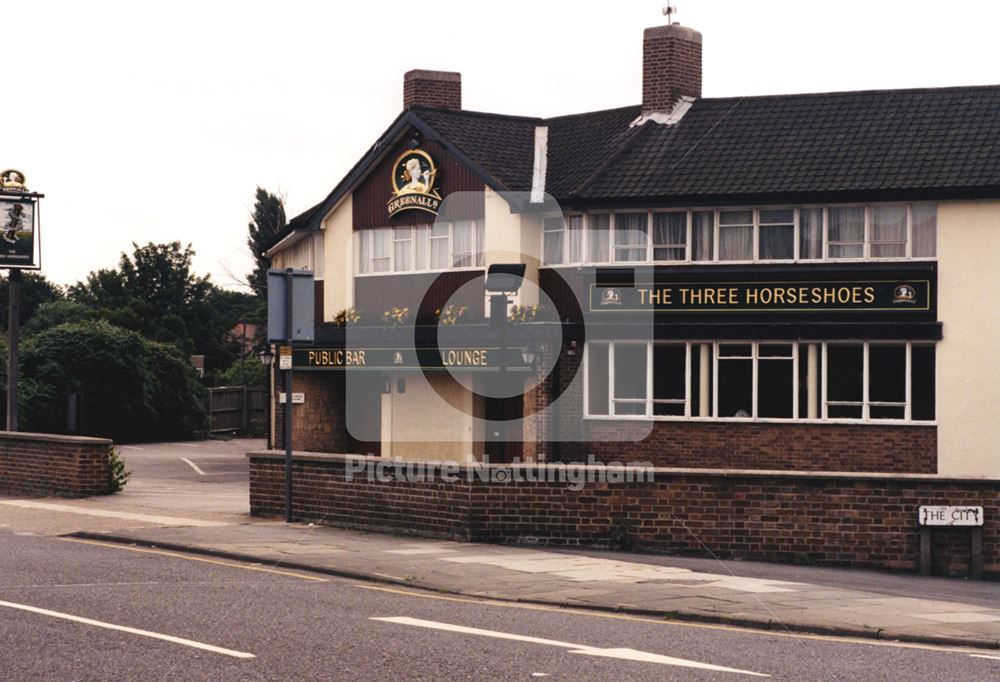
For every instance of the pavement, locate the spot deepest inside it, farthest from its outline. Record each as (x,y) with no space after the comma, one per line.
(192,497)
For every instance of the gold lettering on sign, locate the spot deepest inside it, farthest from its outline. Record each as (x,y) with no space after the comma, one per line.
(464,358)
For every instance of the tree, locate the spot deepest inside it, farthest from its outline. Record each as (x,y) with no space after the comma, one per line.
(35,291)
(155,292)
(266,221)
(130,388)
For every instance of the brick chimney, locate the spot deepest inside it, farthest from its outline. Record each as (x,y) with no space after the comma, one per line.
(671,66)
(432,88)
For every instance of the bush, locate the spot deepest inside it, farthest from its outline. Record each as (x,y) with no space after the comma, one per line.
(130,388)
(249,372)
(118,475)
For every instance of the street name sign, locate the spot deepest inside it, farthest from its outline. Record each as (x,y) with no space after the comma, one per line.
(950,516)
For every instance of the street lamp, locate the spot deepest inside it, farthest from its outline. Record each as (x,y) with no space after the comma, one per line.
(266,356)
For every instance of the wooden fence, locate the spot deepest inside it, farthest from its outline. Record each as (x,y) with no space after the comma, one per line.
(237,408)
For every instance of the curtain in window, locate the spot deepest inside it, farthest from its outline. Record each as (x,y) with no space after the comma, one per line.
(574,226)
(421,234)
(670,235)
(598,237)
(810,233)
(888,232)
(702,235)
(364,250)
(403,249)
(924,229)
(381,246)
(439,246)
(631,236)
(462,247)
(736,235)
(777,234)
(846,232)
(480,241)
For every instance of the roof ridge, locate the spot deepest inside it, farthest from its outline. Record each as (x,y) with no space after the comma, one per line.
(470,112)
(590,113)
(869,91)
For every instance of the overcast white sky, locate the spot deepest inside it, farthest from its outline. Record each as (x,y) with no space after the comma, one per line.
(145,122)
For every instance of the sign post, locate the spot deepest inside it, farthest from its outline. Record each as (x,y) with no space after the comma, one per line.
(18,229)
(289,319)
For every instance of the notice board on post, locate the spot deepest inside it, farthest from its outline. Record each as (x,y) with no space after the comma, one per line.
(302,310)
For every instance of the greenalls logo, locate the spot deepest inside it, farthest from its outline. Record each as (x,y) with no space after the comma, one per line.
(611,297)
(413,183)
(12,180)
(904,293)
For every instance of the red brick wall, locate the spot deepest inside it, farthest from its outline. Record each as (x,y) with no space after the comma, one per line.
(671,66)
(42,464)
(432,88)
(321,493)
(800,447)
(863,520)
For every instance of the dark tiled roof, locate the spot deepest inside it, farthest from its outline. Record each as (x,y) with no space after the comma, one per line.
(861,142)
(502,146)
(928,142)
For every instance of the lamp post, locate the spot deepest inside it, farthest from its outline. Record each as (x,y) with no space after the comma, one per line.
(266,358)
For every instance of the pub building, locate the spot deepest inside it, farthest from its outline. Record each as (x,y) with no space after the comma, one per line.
(787,282)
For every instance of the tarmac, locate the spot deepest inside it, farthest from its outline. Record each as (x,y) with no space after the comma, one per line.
(192,497)
(899,607)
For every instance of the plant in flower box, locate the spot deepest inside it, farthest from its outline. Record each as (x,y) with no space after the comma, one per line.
(450,314)
(395,317)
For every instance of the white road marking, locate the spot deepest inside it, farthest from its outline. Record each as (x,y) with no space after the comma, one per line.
(188,445)
(129,447)
(991,658)
(129,516)
(620,653)
(193,466)
(134,631)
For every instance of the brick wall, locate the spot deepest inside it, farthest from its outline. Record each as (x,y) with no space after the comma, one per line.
(801,447)
(863,520)
(44,464)
(671,66)
(432,88)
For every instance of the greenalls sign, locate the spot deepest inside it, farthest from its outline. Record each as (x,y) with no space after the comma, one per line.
(414,177)
(883,296)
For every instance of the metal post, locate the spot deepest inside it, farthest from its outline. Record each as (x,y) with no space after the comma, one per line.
(289,279)
(976,562)
(13,335)
(925,550)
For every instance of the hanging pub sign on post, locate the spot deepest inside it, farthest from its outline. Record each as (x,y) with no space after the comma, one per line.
(20,249)
(290,319)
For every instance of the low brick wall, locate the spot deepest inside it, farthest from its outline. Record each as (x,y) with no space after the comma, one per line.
(863,520)
(47,464)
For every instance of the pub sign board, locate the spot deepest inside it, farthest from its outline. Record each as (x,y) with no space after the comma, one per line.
(414,179)
(827,296)
(17,232)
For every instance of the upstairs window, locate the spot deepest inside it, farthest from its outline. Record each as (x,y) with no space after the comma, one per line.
(401,249)
(890,231)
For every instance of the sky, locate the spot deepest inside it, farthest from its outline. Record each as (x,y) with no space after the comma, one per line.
(154,122)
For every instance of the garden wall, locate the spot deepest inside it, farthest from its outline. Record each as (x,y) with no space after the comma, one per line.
(45,464)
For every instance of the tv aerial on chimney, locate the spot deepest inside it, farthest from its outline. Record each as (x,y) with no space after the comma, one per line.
(669,11)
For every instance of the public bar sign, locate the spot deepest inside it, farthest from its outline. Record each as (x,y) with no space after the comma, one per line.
(950,516)
(17,221)
(471,359)
(882,296)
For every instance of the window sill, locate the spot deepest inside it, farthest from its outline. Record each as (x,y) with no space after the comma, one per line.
(677,263)
(751,420)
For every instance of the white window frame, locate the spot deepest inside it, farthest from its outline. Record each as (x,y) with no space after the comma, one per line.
(367,234)
(798,347)
(613,249)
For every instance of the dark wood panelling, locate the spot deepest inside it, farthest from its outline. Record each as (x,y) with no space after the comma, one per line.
(318,301)
(369,199)
(375,294)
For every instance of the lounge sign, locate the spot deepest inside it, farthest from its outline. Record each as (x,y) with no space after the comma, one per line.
(466,359)
(882,296)
(413,178)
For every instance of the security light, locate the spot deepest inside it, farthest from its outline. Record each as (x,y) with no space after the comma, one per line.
(504,278)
